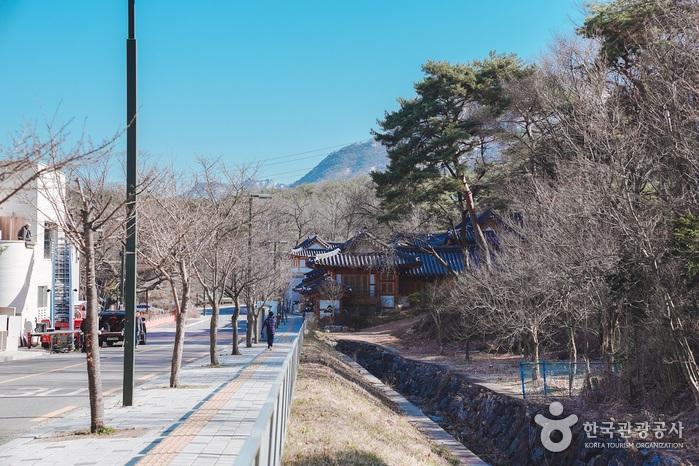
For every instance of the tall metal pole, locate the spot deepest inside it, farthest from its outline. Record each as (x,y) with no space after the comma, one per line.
(130,260)
(249,269)
(122,256)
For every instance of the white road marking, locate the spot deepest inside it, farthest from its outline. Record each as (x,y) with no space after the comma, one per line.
(41,373)
(41,392)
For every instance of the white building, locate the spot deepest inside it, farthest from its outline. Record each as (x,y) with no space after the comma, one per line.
(37,277)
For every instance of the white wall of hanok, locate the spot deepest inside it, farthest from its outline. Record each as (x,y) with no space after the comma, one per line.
(26,271)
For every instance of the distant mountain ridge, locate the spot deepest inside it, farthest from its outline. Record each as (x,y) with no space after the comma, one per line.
(220,189)
(360,158)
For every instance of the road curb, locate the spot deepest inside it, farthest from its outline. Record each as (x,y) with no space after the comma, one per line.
(22,355)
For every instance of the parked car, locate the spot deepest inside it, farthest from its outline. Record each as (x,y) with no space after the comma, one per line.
(111,327)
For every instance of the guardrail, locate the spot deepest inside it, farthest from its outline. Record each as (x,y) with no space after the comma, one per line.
(265,445)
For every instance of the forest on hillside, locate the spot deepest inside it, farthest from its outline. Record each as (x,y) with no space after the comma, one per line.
(595,148)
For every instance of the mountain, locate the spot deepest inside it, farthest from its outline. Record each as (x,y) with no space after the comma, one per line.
(356,159)
(220,189)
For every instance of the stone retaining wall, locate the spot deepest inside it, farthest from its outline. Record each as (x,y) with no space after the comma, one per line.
(498,428)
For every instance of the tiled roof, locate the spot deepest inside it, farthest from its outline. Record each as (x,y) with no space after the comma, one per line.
(483,217)
(311,281)
(308,241)
(411,255)
(300,252)
(374,260)
(433,239)
(428,265)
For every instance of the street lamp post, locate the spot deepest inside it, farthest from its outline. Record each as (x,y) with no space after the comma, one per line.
(130,250)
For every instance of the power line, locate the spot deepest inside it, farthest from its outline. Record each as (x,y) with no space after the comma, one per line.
(277,157)
(288,172)
(281,162)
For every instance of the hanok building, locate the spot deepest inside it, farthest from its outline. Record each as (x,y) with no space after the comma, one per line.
(300,254)
(367,272)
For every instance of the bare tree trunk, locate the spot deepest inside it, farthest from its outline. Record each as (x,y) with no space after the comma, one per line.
(251,330)
(213,332)
(437,318)
(573,360)
(255,332)
(535,341)
(682,348)
(607,335)
(180,331)
(94,376)
(236,313)
(477,232)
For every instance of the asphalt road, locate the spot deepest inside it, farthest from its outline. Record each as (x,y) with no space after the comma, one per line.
(35,391)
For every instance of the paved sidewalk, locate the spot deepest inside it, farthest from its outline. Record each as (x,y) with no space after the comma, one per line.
(204,422)
(23,354)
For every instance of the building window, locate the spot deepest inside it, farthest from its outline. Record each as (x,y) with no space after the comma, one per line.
(42,296)
(49,231)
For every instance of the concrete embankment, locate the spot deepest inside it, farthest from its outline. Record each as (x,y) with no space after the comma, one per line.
(498,428)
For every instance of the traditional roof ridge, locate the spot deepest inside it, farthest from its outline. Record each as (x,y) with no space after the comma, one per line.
(427,246)
(327,254)
(362,234)
(310,238)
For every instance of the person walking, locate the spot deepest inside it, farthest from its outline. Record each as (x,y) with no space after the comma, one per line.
(25,233)
(84,329)
(268,326)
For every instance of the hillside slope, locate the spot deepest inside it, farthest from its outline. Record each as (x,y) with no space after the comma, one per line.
(356,159)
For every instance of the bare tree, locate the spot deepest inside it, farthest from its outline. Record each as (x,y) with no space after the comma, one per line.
(238,282)
(90,210)
(31,155)
(173,232)
(221,194)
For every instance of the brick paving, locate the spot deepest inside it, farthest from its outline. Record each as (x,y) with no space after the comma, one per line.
(204,423)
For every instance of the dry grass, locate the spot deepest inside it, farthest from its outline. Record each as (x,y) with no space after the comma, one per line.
(335,421)
(498,372)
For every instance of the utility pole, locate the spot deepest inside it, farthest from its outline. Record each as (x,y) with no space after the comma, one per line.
(274,258)
(130,260)
(122,257)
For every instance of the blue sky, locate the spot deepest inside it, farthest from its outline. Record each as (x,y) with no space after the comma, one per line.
(247,80)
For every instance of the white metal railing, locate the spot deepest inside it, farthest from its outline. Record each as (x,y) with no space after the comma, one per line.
(265,445)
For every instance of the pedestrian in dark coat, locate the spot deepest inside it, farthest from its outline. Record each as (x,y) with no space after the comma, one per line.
(268,326)
(25,233)
(84,328)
